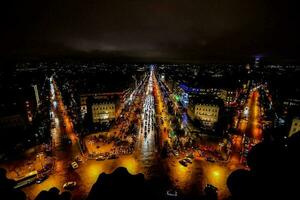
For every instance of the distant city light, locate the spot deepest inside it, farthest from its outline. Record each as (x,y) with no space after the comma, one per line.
(54,104)
(156,114)
(246,111)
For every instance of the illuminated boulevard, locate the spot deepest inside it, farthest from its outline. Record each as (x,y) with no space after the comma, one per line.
(146,159)
(249,126)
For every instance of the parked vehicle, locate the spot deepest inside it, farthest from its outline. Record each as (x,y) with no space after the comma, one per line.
(113,156)
(26,180)
(69,185)
(188,160)
(74,165)
(190,156)
(176,153)
(183,162)
(172,193)
(100,158)
(41,179)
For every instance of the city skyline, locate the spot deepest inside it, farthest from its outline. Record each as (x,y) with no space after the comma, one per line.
(154,99)
(189,130)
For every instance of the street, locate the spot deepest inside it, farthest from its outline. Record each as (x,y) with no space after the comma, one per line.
(249,126)
(145,158)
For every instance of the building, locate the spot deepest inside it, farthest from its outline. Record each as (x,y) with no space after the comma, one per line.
(15,111)
(118,99)
(207,113)
(291,102)
(12,121)
(295,127)
(228,96)
(103,111)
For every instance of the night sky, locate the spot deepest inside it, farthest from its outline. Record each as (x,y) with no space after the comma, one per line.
(158,30)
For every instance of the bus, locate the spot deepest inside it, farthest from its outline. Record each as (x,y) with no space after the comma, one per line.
(26,180)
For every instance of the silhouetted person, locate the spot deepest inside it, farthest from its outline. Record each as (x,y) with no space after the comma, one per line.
(240,184)
(53,194)
(120,185)
(274,172)
(210,194)
(7,190)
(43,195)
(65,196)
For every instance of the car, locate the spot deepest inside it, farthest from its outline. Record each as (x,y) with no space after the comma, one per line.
(113,156)
(100,158)
(41,179)
(175,153)
(210,159)
(188,160)
(74,165)
(78,159)
(69,185)
(43,170)
(183,162)
(172,193)
(190,156)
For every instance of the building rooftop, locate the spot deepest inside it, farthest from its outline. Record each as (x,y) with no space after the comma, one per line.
(204,99)
(107,100)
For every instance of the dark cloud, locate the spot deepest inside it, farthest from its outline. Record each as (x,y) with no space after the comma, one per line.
(151,29)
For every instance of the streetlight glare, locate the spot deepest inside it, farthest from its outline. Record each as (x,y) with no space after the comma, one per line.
(216,173)
(187,126)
